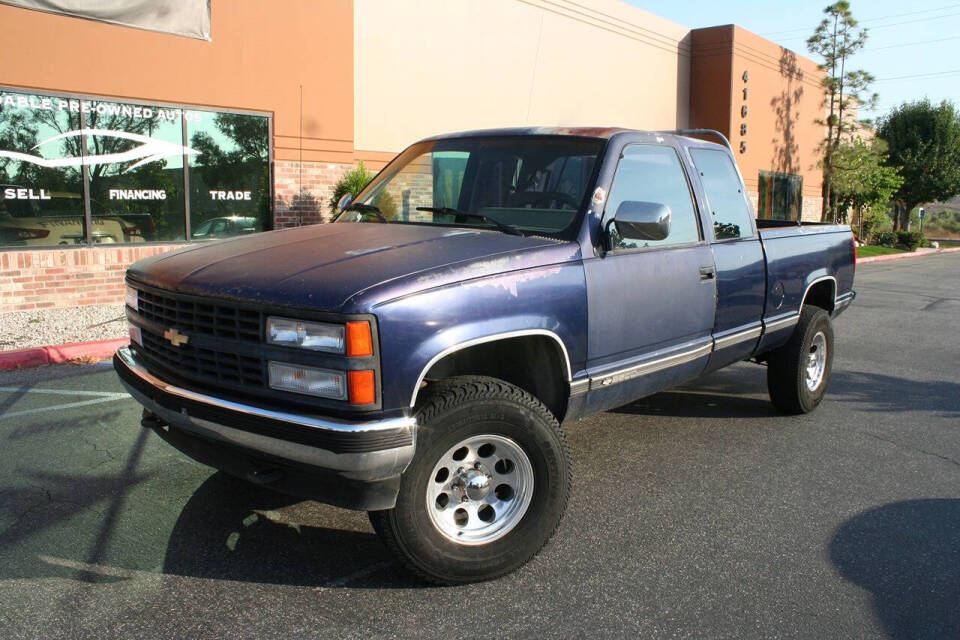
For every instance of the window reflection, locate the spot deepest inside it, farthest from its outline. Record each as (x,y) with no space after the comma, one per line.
(136,191)
(229,174)
(41,182)
(135,172)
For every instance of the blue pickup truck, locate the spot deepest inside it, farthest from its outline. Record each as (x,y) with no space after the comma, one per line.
(416,357)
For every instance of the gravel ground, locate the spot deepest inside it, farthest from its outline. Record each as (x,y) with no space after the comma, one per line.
(44,327)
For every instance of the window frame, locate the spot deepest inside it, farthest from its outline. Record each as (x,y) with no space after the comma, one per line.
(85,184)
(694,201)
(751,214)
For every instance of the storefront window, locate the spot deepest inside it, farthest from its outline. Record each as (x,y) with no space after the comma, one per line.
(136,191)
(780,196)
(67,164)
(41,181)
(229,174)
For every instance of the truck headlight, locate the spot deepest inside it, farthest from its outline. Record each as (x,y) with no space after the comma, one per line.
(310,381)
(319,336)
(132,298)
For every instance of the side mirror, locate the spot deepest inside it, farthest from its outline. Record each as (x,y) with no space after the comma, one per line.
(344,201)
(642,220)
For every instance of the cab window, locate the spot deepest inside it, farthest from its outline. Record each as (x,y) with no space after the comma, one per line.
(728,207)
(652,173)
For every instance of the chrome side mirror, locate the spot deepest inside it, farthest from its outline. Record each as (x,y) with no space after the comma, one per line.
(642,220)
(344,201)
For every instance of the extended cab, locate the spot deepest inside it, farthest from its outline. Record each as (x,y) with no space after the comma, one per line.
(416,357)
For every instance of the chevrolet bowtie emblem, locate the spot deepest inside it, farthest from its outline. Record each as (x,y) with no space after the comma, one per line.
(175,337)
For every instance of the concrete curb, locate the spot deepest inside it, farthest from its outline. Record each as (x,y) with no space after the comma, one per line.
(59,354)
(901,256)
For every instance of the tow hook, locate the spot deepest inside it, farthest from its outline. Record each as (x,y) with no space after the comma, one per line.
(264,475)
(151,421)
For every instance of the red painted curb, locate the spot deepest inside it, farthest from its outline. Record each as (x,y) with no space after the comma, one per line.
(58,354)
(900,256)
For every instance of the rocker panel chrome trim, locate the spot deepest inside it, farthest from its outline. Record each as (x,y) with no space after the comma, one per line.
(737,338)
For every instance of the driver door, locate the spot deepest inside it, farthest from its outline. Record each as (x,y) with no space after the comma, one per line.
(651,303)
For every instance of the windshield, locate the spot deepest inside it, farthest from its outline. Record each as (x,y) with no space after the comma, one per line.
(530,184)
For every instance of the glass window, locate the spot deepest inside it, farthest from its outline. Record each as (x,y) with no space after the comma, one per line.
(728,207)
(780,196)
(533,183)
(652,173)
(229,173)
(41,177)
(136,172)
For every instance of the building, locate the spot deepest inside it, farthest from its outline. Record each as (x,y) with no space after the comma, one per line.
(119,142)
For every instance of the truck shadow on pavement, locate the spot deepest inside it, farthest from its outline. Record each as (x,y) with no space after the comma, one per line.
(233,530)
(907,555)
(722,395)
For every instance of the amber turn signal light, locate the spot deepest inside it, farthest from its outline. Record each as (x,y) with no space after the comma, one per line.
(359,341)
(363,387)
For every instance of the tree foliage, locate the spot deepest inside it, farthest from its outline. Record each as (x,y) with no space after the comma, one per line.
(862,180)
(835,40)
(925,140)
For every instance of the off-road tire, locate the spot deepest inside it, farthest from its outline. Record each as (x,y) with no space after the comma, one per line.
(454,410)
(787,365)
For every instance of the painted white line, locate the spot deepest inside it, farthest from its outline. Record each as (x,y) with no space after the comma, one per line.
(90,568)
(70,392)
(56,407)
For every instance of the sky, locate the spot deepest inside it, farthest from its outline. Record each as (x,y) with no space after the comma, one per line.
(913,48)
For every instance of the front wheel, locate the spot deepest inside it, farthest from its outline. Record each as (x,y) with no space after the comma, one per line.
(487,487)
(798,372)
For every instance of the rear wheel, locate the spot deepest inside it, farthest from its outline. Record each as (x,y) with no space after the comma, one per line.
(799,371)
(487,487)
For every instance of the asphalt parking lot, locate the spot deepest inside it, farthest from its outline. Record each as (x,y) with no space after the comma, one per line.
(697,512)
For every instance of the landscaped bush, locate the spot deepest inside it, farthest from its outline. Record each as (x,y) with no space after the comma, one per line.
(352,182)
(910,240)
(885,239)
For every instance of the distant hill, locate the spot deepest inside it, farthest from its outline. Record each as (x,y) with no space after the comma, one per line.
(950,205)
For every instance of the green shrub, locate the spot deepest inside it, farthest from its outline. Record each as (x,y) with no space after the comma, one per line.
(352,182)
(874,220)
(910,240)
(885,239)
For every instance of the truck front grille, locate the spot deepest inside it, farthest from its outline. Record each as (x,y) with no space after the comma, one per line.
(208,365)
(213,319)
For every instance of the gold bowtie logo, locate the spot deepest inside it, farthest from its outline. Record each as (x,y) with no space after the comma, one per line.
(175,337)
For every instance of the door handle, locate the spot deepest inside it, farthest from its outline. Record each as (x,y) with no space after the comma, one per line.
(707,273)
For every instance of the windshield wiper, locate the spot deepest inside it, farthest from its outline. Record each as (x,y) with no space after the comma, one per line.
(366,208)
(506,228)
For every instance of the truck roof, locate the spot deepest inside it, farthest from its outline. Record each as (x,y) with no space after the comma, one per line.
(586,132)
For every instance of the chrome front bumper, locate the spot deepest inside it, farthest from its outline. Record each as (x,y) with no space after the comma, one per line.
(358,451)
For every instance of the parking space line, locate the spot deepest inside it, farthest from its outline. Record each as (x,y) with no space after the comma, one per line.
(99,397)
(66,392)
(56,407)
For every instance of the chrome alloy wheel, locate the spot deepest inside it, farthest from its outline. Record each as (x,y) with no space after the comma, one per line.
(480,489)
(816,361)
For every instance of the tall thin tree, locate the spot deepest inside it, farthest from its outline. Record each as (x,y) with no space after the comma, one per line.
(836,40)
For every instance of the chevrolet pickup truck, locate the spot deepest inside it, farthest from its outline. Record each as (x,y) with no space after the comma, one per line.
(419,365)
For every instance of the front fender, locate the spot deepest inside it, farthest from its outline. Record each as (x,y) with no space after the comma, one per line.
(417,331)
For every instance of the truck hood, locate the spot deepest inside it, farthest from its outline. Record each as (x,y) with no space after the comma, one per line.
(323,266)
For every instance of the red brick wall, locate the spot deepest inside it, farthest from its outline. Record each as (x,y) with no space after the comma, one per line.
(302,193)
(38,279)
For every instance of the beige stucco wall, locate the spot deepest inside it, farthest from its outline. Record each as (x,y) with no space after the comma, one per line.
(423,67)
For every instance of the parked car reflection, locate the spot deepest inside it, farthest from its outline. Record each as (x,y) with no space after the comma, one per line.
(227,227)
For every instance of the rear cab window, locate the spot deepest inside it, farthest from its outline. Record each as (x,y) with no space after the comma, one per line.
(728,207)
